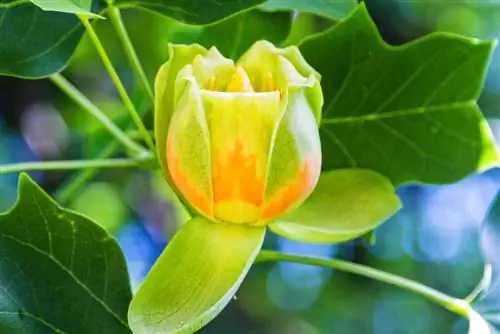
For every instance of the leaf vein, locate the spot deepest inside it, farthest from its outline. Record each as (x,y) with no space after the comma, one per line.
(70,273)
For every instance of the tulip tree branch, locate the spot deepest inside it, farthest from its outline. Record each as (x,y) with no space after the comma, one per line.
(76,164)
(65,192)
(117,22)
(455,305)
(119,85)
(73,93)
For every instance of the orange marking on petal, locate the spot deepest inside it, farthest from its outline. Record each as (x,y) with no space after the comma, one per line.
(304,182)
(235,178)
(183,182)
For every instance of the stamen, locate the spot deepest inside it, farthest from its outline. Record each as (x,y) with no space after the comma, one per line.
(240,82)
(267,82)
(210,85)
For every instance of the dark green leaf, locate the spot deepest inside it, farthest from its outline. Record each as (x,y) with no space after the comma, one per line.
(59,271)
(332,9)
(34,43)
(344,205)
(234,36)
(192,12)
(407,112)
(488,305)
(67,6)
(195,277)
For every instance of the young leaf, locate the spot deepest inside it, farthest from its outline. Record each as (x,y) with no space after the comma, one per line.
(33,43)
(195,277)
(327,8)
(67,6)
(345,204)
(59,271)
(488,305)
(407,112)
(192,12)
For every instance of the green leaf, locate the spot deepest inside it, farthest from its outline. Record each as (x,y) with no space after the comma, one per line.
(234,36)
(195,277)
(488,304)
(332,9)
(192,12)
(478,325)
(67,6)
(408,112)
(59,272)
(344,205)
(33,43)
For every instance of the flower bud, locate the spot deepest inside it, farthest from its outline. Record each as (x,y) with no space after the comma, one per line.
(239,141)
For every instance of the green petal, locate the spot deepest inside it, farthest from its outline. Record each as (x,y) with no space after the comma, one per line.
(288,67)
(188,147)
(295,163)
(195,277)
(180,56)
(345,204)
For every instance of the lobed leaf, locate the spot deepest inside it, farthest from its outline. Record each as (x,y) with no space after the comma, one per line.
(81,7)
(332,9)
(59,271)
(192,12)
(234,36)
(33,43)
(407,112)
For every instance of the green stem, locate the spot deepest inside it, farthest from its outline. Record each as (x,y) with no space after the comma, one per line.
(456,305)
(117,22)
(70,187)
(76,164)
(119,86)
(80,99)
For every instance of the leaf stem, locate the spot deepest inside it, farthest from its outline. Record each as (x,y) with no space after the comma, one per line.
(80,99)
(76,164)
(455,305)
(117,22)
(119,85)
(65,192)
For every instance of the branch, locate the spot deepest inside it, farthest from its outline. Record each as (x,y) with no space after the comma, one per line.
(73,93)
(455,305)
(76,164)
(117,22)
(119,85)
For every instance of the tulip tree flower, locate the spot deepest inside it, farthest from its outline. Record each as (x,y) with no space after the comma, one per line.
(239,143)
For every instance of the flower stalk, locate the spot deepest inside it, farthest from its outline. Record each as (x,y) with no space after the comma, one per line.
(455,305)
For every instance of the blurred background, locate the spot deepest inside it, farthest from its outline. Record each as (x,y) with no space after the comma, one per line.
(434,239)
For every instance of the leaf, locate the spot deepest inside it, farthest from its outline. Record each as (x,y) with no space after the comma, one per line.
(192,12)
(478,325)
(488,305)
(234,36)
(81,7)
(195,277)
(332,9)
(59,271)
(345,204)
(408,112)
(33,43)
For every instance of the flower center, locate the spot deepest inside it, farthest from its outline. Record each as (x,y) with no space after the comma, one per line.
(240,82)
